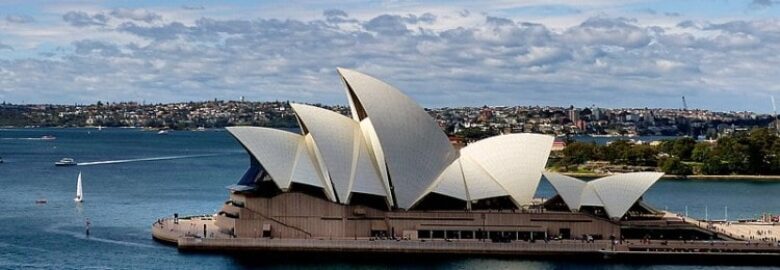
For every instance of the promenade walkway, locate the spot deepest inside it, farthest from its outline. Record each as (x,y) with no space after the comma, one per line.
(171,229)
(747,231)
(398,246)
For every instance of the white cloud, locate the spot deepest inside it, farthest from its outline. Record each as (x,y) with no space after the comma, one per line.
(441,57)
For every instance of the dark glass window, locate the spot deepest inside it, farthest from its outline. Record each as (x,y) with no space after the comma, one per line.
(453,235)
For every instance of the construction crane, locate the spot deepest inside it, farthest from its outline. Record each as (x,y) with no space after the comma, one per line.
(685,104)
(774,109)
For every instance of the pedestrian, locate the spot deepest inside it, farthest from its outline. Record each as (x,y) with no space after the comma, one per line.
(204,230)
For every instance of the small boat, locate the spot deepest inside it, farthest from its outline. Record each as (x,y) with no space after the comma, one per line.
(200,129)
(48,137)
(79,194)
(65,162)
(162,132)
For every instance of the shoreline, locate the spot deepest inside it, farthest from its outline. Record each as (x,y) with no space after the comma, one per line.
(698,177)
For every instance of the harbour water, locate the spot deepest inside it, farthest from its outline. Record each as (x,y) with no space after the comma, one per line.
(132,177)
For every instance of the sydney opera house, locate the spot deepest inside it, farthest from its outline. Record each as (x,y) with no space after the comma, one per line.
(388,171)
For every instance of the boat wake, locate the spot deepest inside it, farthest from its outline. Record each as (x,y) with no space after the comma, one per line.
(146,159)
(80,235)
(8,245)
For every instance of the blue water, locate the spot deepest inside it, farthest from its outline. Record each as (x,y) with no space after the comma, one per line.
(605,140)
(123,199)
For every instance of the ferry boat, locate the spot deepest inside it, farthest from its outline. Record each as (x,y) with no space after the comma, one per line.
(65,162)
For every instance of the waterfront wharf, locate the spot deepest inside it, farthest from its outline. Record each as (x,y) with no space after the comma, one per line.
(188,235)
(768,232)
(169,230)
(473,247)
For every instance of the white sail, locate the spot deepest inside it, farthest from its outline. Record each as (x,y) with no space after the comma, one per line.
(79,193)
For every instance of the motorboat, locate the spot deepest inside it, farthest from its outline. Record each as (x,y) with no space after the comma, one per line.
(66,162)
(48,137)
(162,132)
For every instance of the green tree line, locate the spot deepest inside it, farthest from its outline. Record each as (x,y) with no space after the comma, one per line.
(755,152)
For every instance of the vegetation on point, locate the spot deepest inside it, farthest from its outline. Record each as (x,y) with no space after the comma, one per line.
(756,152)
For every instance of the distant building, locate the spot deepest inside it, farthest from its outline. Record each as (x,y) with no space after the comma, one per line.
(558,146)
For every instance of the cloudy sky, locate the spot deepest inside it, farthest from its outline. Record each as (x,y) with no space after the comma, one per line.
(719,54)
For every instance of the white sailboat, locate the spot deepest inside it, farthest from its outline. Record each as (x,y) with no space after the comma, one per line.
(79,194)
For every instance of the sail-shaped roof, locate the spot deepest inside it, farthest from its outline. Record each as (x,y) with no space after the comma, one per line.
(569,188)
(340,143)
(275,149)
(284,155)
(619,192)
(506,165)
(392,147)
(616,193)
(451,182)
(515,161)
(414,147)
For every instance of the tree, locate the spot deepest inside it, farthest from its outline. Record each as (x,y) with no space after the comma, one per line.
(773,158)
(683,147)
(673,165)
(642,154)
(616,152)
(759,141)
(475,133)
(729,156)
(701,151)
(578,153)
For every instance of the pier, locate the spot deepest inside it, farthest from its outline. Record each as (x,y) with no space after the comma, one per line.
(187,234)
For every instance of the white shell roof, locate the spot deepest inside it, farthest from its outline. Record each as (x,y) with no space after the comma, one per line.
(451,182)
(415,148)
(616,193)
(569,188)
(340,143)
(619,192)
(590,197)
(515,161)
(393,141)
(304,170)
(283,154)
(365,177)
(376,154)
(506,165)
(480,183)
